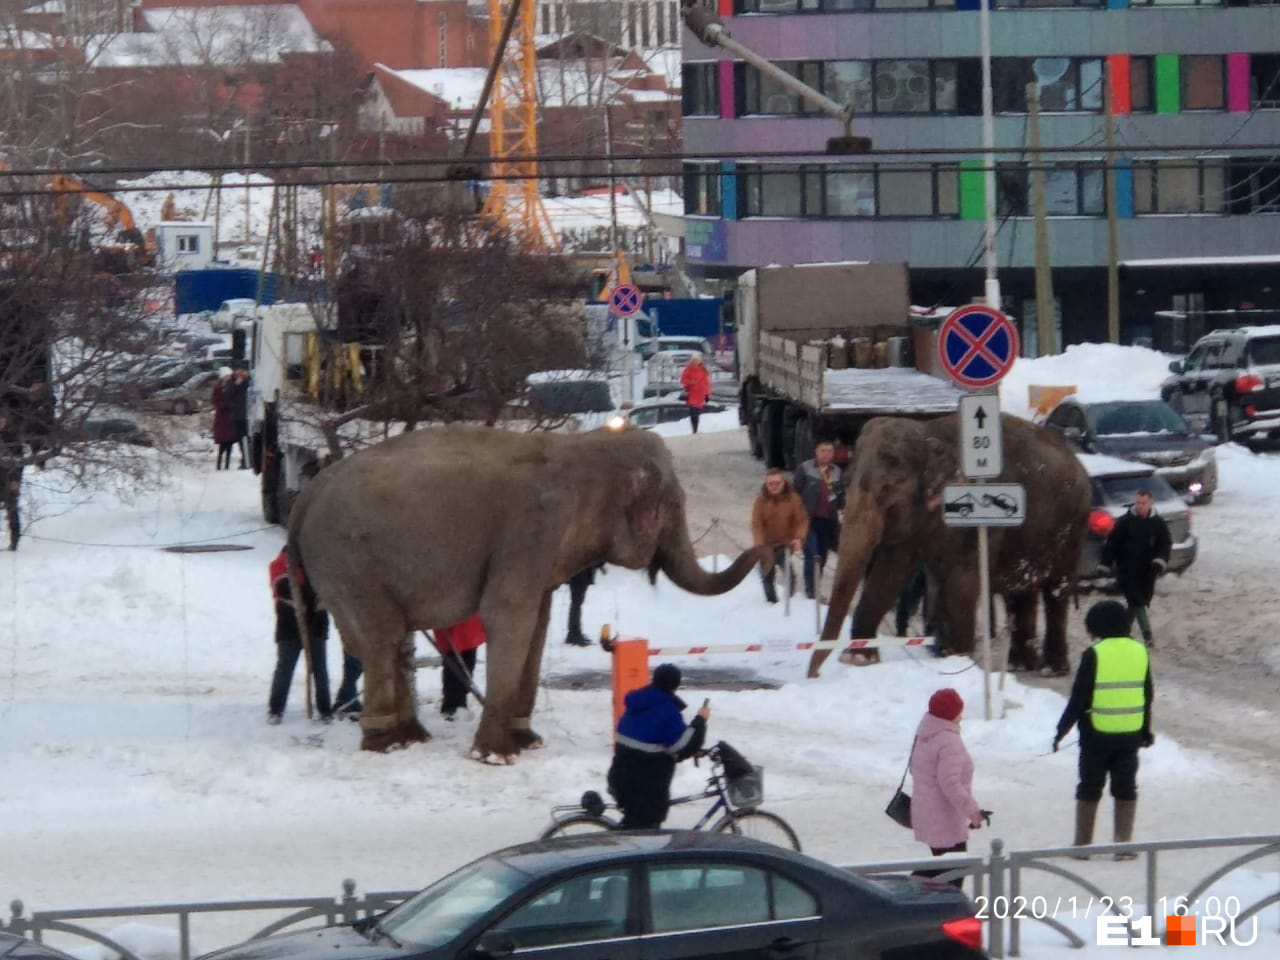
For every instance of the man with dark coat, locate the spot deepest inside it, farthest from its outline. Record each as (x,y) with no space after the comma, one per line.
(578,585)
(238,393)
(1139,546)
(821,486)
(1111,702)
(289,641)
(651,738)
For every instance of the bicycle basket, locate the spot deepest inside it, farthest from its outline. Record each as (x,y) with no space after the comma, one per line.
(747,789)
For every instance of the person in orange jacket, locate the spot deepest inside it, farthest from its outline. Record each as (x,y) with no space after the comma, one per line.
(697,387)
(461,639)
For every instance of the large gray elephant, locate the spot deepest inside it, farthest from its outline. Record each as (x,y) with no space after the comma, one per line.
(894,523)
(432,526)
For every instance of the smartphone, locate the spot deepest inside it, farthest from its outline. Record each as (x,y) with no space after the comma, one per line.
(706,703)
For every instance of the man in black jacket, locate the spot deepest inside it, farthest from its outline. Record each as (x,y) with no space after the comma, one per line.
(1139,546)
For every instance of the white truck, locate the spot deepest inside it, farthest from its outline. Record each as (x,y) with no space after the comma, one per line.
(823,348)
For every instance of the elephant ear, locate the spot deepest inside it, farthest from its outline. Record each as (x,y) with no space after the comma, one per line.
(941,464)
(644,501)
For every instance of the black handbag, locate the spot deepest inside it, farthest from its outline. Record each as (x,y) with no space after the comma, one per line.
(899,808)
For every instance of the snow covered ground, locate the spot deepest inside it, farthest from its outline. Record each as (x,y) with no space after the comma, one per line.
(138,768)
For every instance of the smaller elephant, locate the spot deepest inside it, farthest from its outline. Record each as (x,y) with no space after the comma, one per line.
(894,523)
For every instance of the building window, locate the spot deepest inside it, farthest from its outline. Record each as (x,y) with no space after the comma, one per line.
(902,86)
(702,196)
(1065,84)
(851,192)
(1141,71)
(763,95)
(1027,4)
(1182,3)
(189,243)
(848,82)
(838,191)
(1070,190)
(871,86)
(1264,80)
(1203,83)
(836,6)
(700,89)
(1254,187)
(905,193)
(1179,186)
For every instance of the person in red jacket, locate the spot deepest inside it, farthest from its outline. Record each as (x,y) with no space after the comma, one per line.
(697,387)
(458,643)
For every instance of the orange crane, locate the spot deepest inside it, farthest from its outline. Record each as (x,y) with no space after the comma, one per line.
(513,201)
(119,216)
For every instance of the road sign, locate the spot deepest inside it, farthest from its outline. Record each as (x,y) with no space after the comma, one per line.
(981,439)
(984,505)
(977,345)
(626,300)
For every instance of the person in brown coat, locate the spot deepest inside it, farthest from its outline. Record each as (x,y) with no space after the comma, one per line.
(779,523)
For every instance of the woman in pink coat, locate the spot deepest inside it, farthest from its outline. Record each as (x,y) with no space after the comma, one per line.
(942,806)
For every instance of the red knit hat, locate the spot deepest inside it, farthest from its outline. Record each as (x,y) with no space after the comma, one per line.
(946,704)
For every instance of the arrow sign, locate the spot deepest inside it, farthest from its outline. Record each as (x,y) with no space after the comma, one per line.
(981,439)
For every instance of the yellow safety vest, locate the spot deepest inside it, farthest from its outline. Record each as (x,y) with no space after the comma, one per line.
(1119,686)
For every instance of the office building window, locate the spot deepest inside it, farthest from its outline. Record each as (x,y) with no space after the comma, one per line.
(700,89)
(1064,84)
(836,6)
(843,191)
(848,81)
(761,94)
(1254,187)
(1141,70)
(702,190)
(1203,83)
(1181,3)
(1179,186)
(851,192)
(1264,81)
(1070,190)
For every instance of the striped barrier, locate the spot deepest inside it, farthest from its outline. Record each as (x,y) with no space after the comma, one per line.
(878,641)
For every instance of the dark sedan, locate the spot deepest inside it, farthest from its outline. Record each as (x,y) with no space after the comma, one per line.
(1149,431)
(651,896)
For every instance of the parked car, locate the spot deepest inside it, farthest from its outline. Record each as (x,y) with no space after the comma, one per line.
(661,894)
(113,429)
(189,396)
(647,414)
(1149,431)
(652,345)
(584,399)
(1114,483)
(14,947)
(1229,384)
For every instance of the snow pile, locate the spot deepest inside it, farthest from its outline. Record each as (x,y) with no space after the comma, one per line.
(1098,371)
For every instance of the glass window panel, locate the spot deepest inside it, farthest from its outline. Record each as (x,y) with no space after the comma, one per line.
(1202,82)
(1214,185)
(1009,79)
(780,192)
(1011,190)
(851,193)
(1264,80)
(813,191)
(902,86)
(750,178)
(792,901)
(948,192)
(1178,187)
(1140,84)
(1143,188)
(906,193)
(901,4)
(1091,84)
(1055,79)
(944,86)
(776,6)
(579,910)
(689,896)
(1061,192)
(849,81)
(1093,191)
(846,4)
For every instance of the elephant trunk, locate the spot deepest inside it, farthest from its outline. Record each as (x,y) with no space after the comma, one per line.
(676,558)
(859,540)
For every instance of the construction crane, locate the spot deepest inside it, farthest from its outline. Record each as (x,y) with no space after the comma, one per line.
(514,202)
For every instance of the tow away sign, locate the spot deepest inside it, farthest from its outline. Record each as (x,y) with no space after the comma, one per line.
(984,505)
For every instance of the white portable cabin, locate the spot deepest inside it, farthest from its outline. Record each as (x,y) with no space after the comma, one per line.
(183,245)
(279,348)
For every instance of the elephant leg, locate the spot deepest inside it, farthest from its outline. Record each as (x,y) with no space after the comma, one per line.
(525,737)
(1056,609)
(858,541)
(383,722)
(959,609)
(1021,610)
(888,575)
(509,624)
(406,693)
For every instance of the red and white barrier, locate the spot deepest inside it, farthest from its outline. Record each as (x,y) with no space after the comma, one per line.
(879,641)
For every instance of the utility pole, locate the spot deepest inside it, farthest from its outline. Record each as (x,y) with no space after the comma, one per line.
(246,178)
(1113,224)
(1046,341)
(992,284)
(648,189)
(628,362)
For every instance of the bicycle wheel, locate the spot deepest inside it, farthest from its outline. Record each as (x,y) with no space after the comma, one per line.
(759,825)
(577,824)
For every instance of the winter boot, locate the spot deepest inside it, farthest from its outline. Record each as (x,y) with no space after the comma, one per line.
(1126,813)
(1086,813)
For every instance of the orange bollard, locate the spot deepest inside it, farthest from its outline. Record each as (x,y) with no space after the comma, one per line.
(630,670)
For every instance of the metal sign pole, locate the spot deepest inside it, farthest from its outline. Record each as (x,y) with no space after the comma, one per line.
(984,599)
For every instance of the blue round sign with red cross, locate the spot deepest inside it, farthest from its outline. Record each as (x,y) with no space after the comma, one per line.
(977,345)
(626,299)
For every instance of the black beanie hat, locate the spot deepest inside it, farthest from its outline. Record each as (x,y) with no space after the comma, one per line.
(666,677)
(1107,618)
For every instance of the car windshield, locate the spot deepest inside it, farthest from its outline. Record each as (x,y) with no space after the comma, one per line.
(570,396)
(1154,416)
(1121,491)
(1265,351)
(440,913)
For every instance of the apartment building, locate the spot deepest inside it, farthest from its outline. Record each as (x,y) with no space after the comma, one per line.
(1196,106)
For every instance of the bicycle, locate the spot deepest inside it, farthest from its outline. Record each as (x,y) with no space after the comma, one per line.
(737,795)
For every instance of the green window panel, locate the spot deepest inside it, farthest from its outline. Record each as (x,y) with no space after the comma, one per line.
(973,194)
(1168,83)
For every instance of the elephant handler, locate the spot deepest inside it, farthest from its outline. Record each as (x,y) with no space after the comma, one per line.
(651,739)
(461,641)
(1111,701)
(779,523)
(820,485)
(289,641)
(1139,546)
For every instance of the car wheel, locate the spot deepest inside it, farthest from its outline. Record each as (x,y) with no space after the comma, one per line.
(1220,420)
(771,435)
(1203,499)
(803,442)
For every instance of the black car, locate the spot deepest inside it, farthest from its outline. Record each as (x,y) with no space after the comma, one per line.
(1149,431)
(14,947)
(1229,384)
(649,413)
(113,430)
(651,895)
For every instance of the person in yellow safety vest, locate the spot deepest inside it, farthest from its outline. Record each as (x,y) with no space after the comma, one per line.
(1111,702)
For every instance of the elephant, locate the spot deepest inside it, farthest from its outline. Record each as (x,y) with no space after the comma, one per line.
(431,526)
(894,521)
